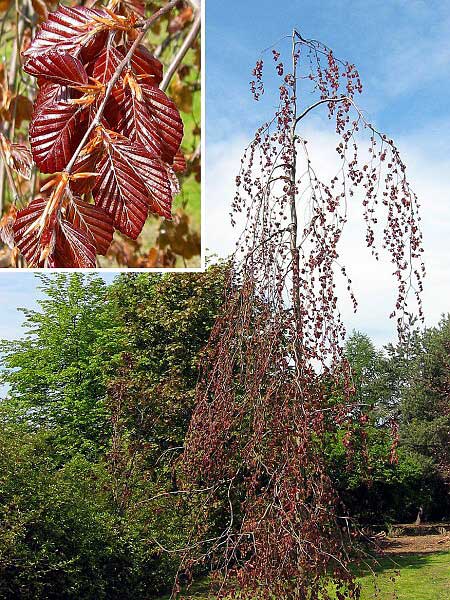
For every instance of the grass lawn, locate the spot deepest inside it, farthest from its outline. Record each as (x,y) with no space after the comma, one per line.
(422,577)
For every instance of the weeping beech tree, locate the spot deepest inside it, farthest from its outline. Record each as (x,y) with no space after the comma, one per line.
(274,385)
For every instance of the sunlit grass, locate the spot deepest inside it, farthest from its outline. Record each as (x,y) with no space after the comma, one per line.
(410,577)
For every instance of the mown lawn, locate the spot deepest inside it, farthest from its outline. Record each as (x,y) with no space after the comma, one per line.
(421,577)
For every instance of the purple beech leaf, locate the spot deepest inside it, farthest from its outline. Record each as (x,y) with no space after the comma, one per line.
(74,247)
(57,66)
(127,166)
(49,93)
(27,237)
(95,223)
(119,189)
(131,181)
(144,65)
(137,123)
(55,133)
(18,157)
(70,29)
(167,120)
(67,241)
(86,162)
(106,64)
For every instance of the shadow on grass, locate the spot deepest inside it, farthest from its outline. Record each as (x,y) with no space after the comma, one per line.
(417,560)
(421,576)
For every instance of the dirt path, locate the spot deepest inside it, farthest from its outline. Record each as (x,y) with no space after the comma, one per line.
(417,544)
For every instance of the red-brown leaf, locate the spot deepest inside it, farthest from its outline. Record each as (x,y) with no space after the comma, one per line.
(103,69)
(167,121)
(29,240)
(18,157)
(69,29)
(179,162)
(120,191)
(180,20)
(106,64)
(64,244)
(96,225)
(144,65)
(20,160)
(57,66)
(133,6)
(157,180)
(153,173)
(41,9)
(130,181)
(74,248)
(21,109)
(55,133)
(7,226)
(86,163)
(50,93)
(136,123)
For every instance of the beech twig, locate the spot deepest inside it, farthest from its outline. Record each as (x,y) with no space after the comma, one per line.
(182,51)
(11,182)
(96,121)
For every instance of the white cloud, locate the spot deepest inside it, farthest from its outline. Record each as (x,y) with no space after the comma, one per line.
(373,282)
(223,160)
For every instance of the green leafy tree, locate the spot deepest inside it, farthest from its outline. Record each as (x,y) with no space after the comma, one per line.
(392,474)
(56,373)
(100,395)
(425,427)
(166,321)
(61,537)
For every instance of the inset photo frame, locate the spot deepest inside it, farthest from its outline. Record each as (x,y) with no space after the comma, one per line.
(101,135)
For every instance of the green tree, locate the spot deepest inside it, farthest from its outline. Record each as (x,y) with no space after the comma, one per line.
(405,384)
(100,388)
(425,427)
(166,321)
(61,537)
(56,373)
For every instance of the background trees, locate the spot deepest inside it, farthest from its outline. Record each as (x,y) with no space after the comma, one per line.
(57,373)
(85,470)
(425,425)
(100,395)
(166,322)
(397,386)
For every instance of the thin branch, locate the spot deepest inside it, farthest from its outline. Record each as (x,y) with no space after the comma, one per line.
(9,130)
(182,51)
(195,4)
(318,103)
(176,493)
(9,175)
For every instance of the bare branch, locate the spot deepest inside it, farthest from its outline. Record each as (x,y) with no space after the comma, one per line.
(318,103)
(182,52)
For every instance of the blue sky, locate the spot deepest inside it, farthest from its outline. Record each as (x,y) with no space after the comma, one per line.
(402,51)
(401,48)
